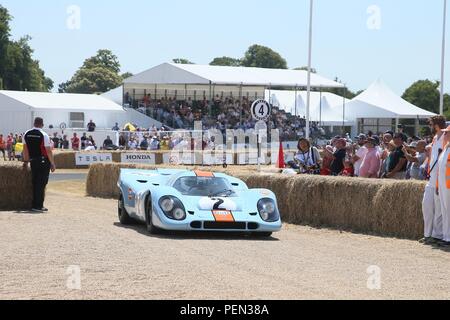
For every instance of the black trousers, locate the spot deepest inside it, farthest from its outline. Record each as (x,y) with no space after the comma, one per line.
(40,172)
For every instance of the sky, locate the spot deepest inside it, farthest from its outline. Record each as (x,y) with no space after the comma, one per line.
(357,41)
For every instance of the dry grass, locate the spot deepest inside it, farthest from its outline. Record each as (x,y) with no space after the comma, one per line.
(15,187)
(383,207)
(77,188)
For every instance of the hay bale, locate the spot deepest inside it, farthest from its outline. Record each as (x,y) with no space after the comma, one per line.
(65,160)
(15,187)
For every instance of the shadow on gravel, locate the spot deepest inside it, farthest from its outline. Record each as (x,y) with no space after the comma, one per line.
(195,235)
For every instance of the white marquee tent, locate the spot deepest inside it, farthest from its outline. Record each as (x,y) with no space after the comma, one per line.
(169,73)
(326,107)
(18,109)
(379,102)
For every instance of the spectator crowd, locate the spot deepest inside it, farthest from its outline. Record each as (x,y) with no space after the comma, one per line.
(390,155)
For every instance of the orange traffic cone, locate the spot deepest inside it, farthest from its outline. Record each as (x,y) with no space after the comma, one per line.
(281,164)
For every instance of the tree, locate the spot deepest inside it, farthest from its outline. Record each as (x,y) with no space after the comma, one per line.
(182,61)
(103,59)
(126,75)
(18,69)
(226,61)
(425,94)
(5,18)
(98,74)
(263,57)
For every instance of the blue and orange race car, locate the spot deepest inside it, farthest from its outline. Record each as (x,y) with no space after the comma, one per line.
(183,200)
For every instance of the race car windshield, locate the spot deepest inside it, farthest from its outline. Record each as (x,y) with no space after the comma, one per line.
(204,186)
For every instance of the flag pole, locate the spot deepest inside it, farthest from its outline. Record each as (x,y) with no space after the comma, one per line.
(441,102)
(308,96)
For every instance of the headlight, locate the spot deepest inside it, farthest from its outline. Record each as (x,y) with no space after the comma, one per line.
(268,210)
(167,204)
(173,208)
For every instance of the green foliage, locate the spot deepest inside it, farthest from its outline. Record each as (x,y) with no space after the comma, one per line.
(98,74)
(226,61)
(263,57)
(126,75)
(18,69)
(313,70)
(182,61)
(425,94)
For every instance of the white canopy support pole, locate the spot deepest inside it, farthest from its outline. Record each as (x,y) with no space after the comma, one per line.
(441,105)
(320,115)
(417,126)
(296,100)
(343,111)
(397,123)
(240,103)
(308,95)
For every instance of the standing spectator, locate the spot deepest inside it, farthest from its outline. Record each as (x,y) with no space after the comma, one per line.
(116,127)
(75,142)
(338,157)
(84,140)
(132,144)
(370,166)
(37,151)
(416,156)
(10,147)
(65,143)
(91,126)
(397,159)
(3,146)
(307,160)
(56,141)
(154,144)
(360,153)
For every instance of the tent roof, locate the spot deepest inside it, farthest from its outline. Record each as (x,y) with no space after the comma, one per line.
(169,73)
(67,101)
(379,101)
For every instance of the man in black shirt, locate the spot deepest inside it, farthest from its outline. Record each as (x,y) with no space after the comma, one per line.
(91,126)
(339,156)
(108,144)
(397,159)
(37,150)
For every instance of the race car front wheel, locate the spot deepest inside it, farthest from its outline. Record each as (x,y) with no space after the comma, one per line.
(148,218)
(124,218)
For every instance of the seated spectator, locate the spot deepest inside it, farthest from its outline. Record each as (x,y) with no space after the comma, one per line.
(89,146)
(108,144)
(122,142)
(132,144)
(154,144)
(92,142)
(370,166)
(144,144)
(307,160)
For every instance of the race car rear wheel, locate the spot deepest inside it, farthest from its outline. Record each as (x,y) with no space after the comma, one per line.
(148,217)
(261,234)
(124,218)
